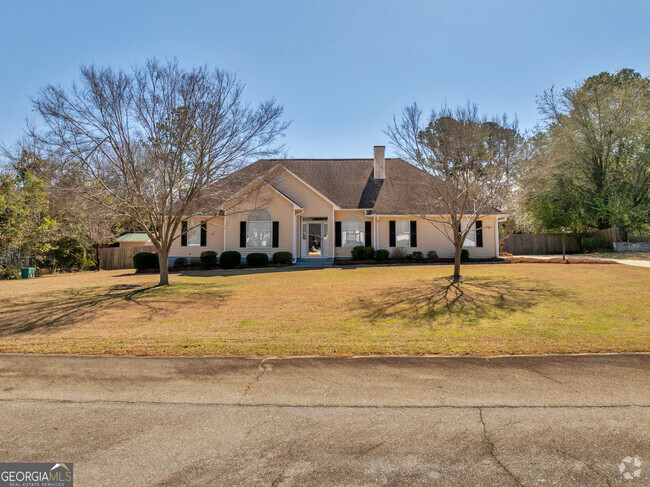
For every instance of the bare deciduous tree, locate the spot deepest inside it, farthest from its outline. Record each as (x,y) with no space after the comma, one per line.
(472,162)
(153,143)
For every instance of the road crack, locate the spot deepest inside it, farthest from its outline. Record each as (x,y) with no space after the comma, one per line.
(586,464)
(262,369)
(491,449)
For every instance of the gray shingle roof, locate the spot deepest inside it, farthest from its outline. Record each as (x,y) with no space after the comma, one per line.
(350,183)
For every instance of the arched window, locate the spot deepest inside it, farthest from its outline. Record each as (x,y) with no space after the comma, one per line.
(259,228)
(353,233)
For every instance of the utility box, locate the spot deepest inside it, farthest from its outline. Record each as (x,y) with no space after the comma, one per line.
(27,272)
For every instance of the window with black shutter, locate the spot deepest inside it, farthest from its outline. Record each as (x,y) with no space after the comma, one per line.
(479,233)
(391,234)
(242,234)
(183,234)
(337,234)
(368,233)
(414,233)
(276,234)
(204,234)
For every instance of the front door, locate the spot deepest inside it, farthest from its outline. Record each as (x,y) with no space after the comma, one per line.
(315,241)
(314,238)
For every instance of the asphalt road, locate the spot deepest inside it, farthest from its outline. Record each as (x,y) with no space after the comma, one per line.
(556,420)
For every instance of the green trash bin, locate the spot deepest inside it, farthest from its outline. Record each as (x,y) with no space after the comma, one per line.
(27,272)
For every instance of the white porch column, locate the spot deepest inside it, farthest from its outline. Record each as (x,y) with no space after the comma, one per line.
(496,235)
(295,224)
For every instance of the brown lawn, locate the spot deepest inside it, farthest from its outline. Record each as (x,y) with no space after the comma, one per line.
(497,309)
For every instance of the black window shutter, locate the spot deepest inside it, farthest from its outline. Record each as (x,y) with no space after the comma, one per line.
(204,234)
(183,234)
(276,235)
(368,234)
(391,233)
(479,233)
(337,236)
(242,234)
(414,233)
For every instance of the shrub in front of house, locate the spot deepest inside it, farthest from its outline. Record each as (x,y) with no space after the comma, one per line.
(208,259)
(432,254)
(382,255)
(145,260)
(257,259)
(588,243)
(180,263)
(230,259)
(464,255)
(361,252)
(399,253)
(282,258)
(417,256)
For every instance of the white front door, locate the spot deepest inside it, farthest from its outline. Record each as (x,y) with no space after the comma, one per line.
(314,239)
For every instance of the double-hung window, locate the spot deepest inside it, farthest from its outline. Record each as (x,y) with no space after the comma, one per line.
(259,229)
(353,233)
(194,235)
(402,233)
(474,237)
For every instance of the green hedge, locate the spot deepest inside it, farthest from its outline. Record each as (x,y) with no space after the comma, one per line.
(282,258)
(257,259)
(230,259)
(589,243)
(180,263)
(208,259)
(382,255)
(361,252)
(464,255)
(145,260)
(418,256)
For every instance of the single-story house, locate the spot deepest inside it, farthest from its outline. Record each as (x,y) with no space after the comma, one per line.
(322,208)
(133,239)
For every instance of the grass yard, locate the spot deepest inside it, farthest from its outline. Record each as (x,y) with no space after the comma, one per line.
(497,309)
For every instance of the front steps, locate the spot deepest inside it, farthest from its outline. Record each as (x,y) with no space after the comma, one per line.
(314,262)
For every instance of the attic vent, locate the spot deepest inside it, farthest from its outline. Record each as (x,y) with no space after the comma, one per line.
(280,177)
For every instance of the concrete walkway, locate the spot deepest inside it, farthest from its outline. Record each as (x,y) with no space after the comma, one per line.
(554,420)
(632,262)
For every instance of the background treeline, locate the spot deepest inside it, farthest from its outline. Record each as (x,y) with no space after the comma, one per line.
(43,219)
(588,168)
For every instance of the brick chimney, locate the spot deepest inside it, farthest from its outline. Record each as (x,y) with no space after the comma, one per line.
(380,162)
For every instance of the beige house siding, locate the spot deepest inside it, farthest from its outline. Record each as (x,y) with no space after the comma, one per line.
(431,238)
(214,240)
(281,210)
(313,204)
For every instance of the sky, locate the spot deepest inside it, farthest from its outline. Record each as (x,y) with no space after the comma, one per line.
(341,69)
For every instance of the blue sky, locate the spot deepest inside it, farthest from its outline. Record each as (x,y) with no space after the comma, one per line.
(340,68)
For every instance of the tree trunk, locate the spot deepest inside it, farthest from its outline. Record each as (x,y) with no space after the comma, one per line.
(457,253)
(164,270)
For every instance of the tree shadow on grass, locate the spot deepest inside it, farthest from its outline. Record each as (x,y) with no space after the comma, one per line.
(62,309)
(471,298)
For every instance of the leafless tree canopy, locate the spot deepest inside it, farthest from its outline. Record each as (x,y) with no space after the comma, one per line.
(154,142)
(472,162)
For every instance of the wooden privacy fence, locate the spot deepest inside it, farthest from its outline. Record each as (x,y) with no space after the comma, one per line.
(551,243)
(538,243)
(121,257)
